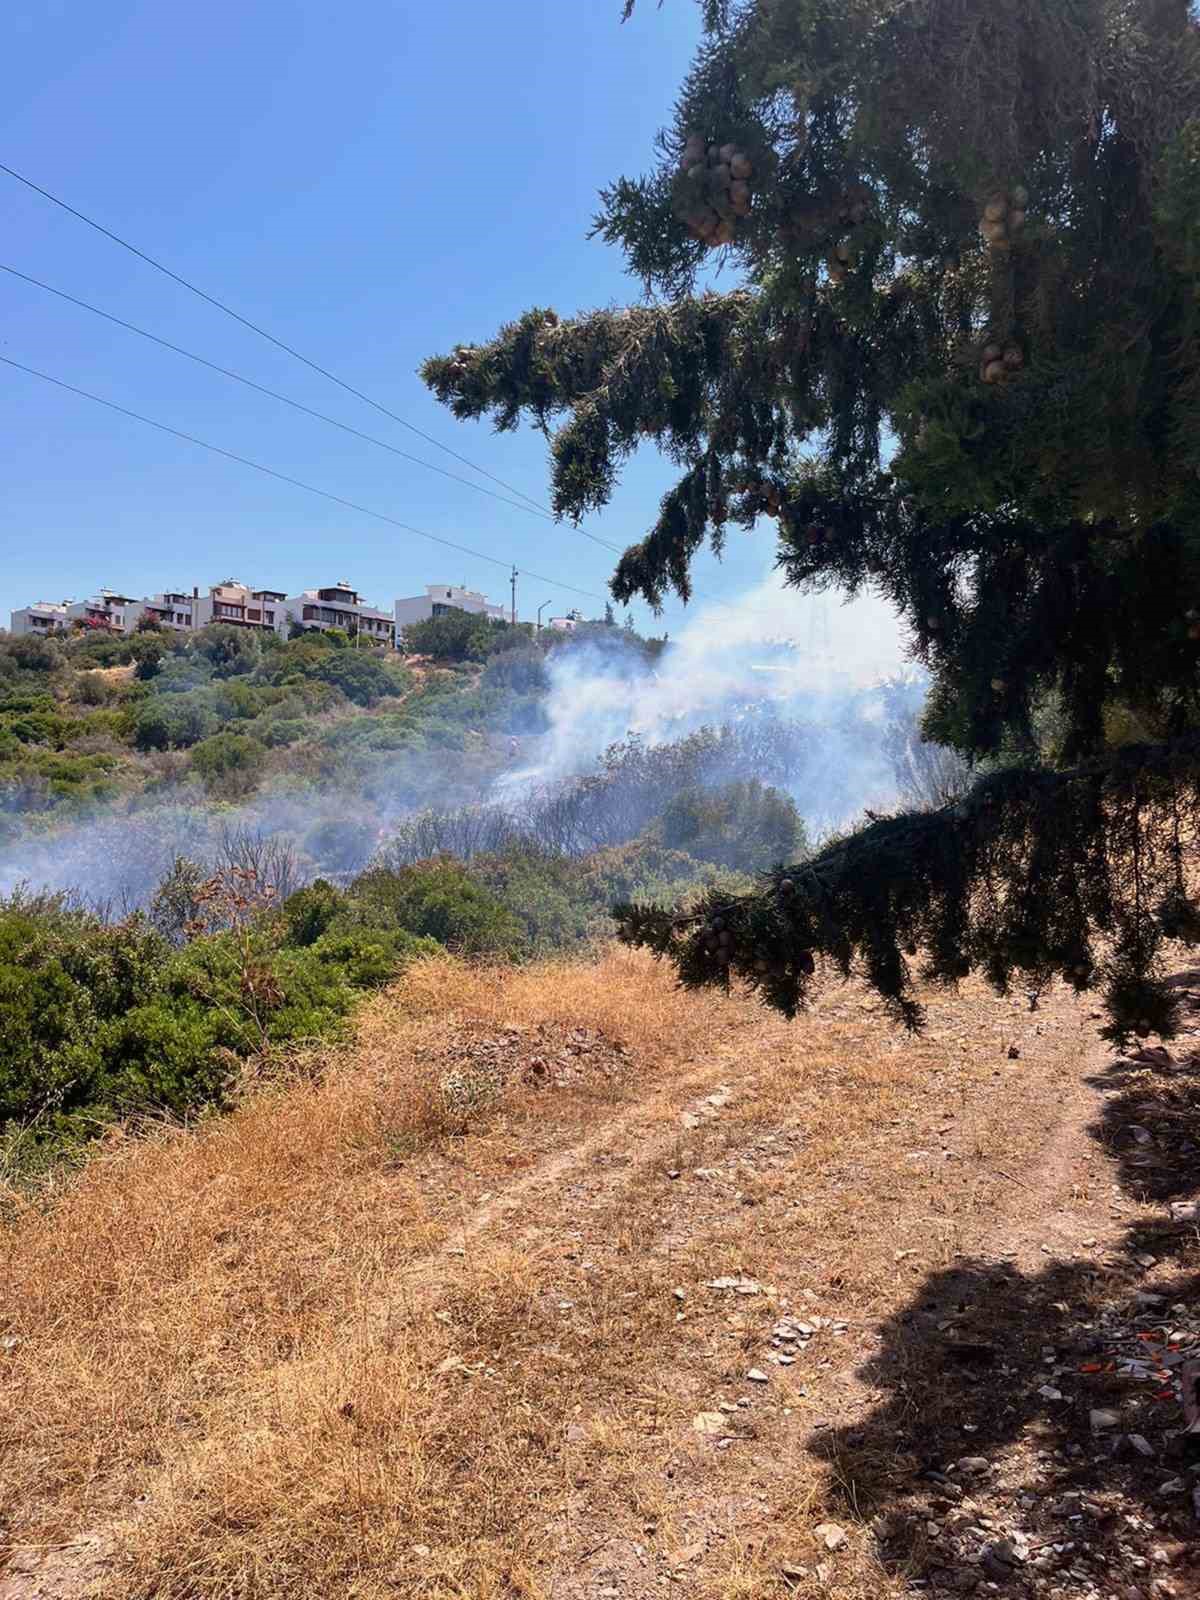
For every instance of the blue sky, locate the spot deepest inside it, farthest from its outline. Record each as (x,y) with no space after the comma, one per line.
(372,183)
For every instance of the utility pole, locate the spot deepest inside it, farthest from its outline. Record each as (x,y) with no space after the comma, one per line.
(514,596)
(542,608)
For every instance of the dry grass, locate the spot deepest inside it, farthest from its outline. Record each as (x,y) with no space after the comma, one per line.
(246,1347)
(179,1273)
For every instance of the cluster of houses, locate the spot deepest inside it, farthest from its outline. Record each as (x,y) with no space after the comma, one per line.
(262,610)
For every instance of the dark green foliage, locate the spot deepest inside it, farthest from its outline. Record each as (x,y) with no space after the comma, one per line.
(102,1020)
(466,636)
(97,649)
(521,671)
(91,689)
(174,721)
(747,826)
(368,958)
(148,651)
(1033,874)
(971,226)
(229,764)
(311,911)
(228,650)
(360,676)
(441,900)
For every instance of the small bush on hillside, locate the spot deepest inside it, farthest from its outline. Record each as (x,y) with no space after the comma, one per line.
(101,1020)
(27,652)
(99,649)
(549,895)
(441,900)
(174,722)
(92,689)
(521,671)
(747,826)
(178,900)
(311,911)
(360,675)
(63,978)
(279,731)
(179,673)
(229,764)
(368,958)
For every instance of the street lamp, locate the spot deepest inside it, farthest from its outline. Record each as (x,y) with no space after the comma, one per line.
(542,608)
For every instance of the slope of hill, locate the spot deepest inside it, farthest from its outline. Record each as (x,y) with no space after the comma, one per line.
(559,1282)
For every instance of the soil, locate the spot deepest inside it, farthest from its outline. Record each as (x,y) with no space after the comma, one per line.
(898,1282)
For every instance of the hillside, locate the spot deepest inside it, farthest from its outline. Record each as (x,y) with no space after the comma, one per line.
(559,1281)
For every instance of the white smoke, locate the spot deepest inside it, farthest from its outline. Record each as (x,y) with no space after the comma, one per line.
(772,653)
(805,656)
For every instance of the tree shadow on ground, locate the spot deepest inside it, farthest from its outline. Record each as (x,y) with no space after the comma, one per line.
(1013,1445)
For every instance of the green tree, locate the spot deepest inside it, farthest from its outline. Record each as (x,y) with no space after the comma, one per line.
(230,764)
(230,650)
(453,636)
(961,365)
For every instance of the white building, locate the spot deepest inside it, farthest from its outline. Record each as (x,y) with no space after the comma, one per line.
(169,609)
(44,616)
(340,606)
(440,598)
(260,610)
(107,611)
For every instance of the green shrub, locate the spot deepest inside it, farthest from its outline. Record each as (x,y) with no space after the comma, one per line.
(311,910)
(441,900)
(148,650)
(180,673)
(97,648)
(360,676)
(229,650)
(520,671)
(275,997)
(277,731)
(28,652)
(747,826)
(370,957)
(175,721)
(549,895)
(63,977)
(454,636)
(92,689)
(229,764)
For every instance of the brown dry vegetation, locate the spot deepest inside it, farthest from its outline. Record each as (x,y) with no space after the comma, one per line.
(345,1342)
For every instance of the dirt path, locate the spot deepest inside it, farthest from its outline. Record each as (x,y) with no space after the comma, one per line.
(737,1330)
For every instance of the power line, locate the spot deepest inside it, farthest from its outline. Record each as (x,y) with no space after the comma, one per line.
(262,332)
(273,394)
(297,483)
(297,355)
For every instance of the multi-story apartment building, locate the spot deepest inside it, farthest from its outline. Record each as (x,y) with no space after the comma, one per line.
(115,613)
(262,610)
(440,598)
(44,616)
(170,609)
(340,606)
(335,606)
